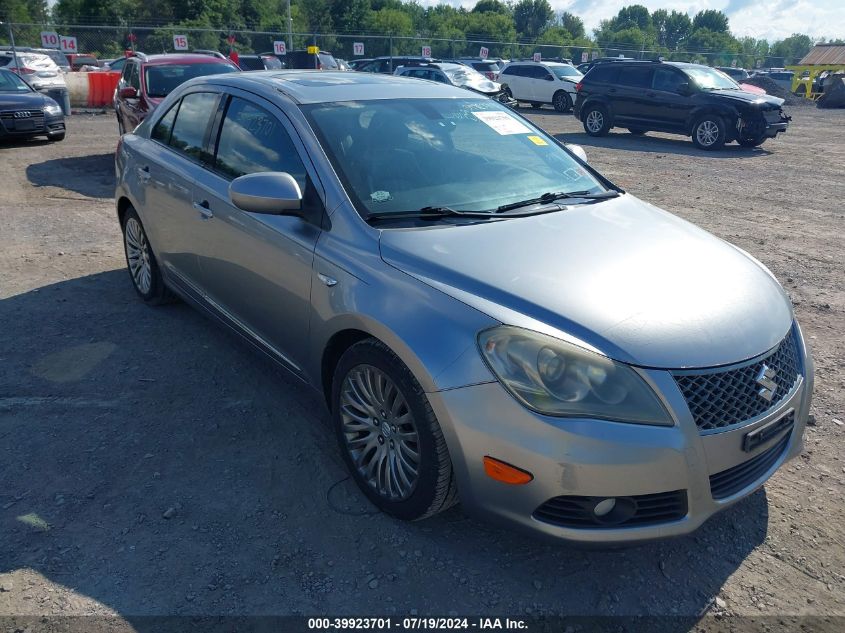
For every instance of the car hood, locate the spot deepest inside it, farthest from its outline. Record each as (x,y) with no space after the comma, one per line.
(620,276)
(749,98)
(9,101)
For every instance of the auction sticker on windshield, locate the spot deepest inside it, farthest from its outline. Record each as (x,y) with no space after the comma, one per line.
(502,122)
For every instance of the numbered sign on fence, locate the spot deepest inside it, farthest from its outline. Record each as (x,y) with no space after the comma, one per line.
(357,48)
(180,42)
(426,51)
(585,57)
(49,39)
(733,63)
(280,48)
(537,57)
(759,63)
(594,55)
(68,44)
(483,53)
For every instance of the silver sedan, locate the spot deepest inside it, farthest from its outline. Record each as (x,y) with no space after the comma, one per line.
(488,318)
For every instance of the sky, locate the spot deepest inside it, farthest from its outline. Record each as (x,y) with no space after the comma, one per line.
(770,19)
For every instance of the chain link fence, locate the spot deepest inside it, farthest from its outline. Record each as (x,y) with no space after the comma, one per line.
(113,41)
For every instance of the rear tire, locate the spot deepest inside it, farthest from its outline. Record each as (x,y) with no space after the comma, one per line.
(752,142)
(141,262)
(561,101)
(596,120)
(708,132)
(384,424)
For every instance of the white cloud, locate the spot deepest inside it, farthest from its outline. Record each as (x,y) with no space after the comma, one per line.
(772,20)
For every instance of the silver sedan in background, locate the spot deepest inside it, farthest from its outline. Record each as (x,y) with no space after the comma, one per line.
(488,318)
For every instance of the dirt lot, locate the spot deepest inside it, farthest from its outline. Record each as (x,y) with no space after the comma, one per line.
(151,464)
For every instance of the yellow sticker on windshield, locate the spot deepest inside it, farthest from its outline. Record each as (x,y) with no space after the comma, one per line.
(537,140)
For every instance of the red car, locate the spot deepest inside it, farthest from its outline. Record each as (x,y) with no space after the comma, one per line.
(147,79)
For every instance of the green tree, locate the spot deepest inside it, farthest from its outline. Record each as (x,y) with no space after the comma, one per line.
(712,20)
(491,6)
(791,49)
(635,15)
(350,15)
(531,17)
(672,29)
(572,23)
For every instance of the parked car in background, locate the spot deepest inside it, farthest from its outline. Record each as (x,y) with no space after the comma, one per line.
(113,65)
(304,60)
(342,64)
(541,83)
(57,56)
(387,65)
(456,75)
(39,70)
(26,113)
(676,97)
(208,51)
(782,78)
(487,317)
(488,67)
(737,74)
(147,79)
(78,61)
(586,66)
(355,64)
(263,61)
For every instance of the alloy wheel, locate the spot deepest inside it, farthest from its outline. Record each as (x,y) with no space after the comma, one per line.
(380,432)
(707,133)
(138,255)
(595,121)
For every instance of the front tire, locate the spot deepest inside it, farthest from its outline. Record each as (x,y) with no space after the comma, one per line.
(708,132)
(561,101)
(596,121)
(141,262)
(388,434)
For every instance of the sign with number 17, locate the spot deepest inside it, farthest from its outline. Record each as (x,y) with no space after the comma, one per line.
(357,48)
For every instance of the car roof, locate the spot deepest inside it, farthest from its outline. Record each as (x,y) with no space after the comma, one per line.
(181,58)
(321,86)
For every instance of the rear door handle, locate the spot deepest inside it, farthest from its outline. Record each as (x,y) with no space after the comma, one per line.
(204,209)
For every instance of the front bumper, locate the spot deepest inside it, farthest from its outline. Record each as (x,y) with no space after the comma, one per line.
(572,457)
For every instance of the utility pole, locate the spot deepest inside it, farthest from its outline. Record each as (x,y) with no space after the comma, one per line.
(290,29)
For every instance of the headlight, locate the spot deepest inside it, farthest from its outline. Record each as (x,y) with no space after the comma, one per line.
(556,378)
(53,110)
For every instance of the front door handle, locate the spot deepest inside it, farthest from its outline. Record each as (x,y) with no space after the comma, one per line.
(144,174)
(204,209)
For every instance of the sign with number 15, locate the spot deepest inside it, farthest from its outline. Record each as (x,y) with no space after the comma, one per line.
(180,42)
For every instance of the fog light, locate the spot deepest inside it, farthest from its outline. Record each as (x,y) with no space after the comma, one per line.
(604,507)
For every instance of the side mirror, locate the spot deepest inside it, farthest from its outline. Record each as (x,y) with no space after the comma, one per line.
(578,151)
(271,192)
(684,89)
(128,93)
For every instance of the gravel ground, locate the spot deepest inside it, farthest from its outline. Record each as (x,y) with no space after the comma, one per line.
(151,464)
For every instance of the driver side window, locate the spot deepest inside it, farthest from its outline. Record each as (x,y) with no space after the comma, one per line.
(666,80)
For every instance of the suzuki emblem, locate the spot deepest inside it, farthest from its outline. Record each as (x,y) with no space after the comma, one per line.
(766,379)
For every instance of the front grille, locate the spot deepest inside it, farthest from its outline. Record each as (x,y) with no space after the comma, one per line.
(724,397)
(731,481)
(10,114)
(639,510)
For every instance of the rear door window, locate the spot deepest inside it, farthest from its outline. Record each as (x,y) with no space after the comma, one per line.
(253,140)
(161,130)
(602,73)
(189,131)
(635,77)
(667,80)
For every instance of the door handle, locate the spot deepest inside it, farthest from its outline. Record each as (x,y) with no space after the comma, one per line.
(204,209)
(144,174)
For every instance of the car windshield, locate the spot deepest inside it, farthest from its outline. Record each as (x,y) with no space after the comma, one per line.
(162,80)
(396,155)
(10,82)
(565,71)
(710,78)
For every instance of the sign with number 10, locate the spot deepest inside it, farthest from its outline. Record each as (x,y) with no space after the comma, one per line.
(49,39)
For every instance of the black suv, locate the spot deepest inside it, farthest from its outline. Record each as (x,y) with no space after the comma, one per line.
(675,97)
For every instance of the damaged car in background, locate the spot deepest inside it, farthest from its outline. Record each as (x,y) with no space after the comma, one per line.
(458,75)
(680,98)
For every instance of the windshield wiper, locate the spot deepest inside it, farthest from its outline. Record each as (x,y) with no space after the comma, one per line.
(428,213)
(551,196)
